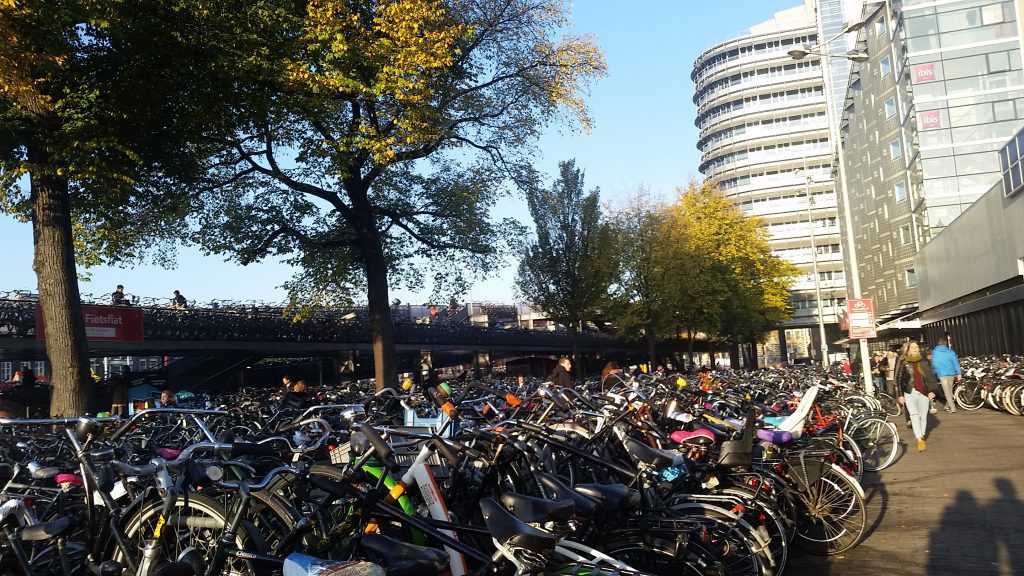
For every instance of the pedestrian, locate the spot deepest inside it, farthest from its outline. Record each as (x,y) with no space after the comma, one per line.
(118,298)
(28,377)
(877,363)
(118,388)
(947,369)
(560,375)
(286,383)
(918,384)
(179,302)
(890,370)
(167,399)
(847,367)
(611,376)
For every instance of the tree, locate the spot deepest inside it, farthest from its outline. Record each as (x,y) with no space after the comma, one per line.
(100,104)
(643,287)
(729,282)
(566,270)
(381,131)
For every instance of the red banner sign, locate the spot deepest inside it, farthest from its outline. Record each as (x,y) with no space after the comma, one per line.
(105,323)
(861,316)
(924,72)
(929,120)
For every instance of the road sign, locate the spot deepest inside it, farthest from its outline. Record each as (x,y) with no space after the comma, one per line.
(860,313)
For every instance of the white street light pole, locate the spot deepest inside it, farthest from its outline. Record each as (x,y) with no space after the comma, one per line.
(833,129)
(814,267)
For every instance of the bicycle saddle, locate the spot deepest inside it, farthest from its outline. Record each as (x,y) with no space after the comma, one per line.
(403,559)
(585,507)
(646,454)
(696,438)
(301,565)
(609,496)
(718,432)
(47,530)
(168,453)
(538,510)
(777,437)
(511,531)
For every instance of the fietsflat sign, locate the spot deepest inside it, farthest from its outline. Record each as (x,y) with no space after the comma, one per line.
(861,315)
(110,323)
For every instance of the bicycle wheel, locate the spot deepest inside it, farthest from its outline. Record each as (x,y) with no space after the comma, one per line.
(654,555)
(889,404)
(746,552)
(195,523)
(968,396)
(878,441)
(832,515)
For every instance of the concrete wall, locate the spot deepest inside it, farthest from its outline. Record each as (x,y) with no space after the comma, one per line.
(979,249)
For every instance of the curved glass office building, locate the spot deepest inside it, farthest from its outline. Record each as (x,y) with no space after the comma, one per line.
(764,140)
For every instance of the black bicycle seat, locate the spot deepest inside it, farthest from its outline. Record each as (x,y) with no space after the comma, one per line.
(653,456)
(585,507)
(403,559)
(47,530)
(609,496)
(509,530)
(538,510)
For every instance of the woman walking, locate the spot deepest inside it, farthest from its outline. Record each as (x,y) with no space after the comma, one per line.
(917,381)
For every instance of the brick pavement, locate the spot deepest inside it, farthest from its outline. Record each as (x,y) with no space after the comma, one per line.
(956,509)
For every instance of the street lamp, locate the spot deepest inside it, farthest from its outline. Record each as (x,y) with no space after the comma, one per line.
(821,49)
(814,266)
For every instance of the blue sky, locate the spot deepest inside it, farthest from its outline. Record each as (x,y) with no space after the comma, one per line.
(643,135)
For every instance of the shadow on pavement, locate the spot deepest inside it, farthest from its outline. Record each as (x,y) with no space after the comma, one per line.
(876,501)
(979,538)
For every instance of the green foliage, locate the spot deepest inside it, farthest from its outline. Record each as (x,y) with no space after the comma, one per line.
(566,270)
(697,265)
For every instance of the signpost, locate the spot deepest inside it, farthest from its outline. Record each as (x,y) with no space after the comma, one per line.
(860,313)
(104,323)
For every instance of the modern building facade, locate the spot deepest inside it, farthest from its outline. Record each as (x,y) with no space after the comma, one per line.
(764,141)
(922,124)
(972,274)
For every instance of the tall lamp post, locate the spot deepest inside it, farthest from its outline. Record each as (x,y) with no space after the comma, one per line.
(822,50)
(814,267)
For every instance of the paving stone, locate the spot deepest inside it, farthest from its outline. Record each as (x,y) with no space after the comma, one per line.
(955,509)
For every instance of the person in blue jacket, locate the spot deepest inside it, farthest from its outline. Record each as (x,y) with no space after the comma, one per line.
(947,368)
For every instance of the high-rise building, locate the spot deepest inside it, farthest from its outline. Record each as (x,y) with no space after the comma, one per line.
(922,124)
(764,141)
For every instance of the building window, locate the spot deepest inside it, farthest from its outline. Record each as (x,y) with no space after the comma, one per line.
(40,368)
(895,151)
(5,371)
(879,27)
(886,66)
(911,277)
(890,107)
(901,191)
(905,235)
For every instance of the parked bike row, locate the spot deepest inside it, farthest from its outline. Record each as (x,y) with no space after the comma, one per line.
(993,381)
(726,476)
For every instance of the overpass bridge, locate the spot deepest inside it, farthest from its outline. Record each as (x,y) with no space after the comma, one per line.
(242,335)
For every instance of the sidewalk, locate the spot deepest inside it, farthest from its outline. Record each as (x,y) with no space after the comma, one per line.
(956,509)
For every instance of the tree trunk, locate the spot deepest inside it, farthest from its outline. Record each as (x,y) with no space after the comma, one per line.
(689,345)
(59,299)
(651,353)
(382,329)
(734,355)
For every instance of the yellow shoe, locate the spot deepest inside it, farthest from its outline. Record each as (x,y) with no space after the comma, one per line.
(920,445)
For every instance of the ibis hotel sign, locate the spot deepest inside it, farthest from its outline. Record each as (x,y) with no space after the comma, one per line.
(105,323)
(860,313)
